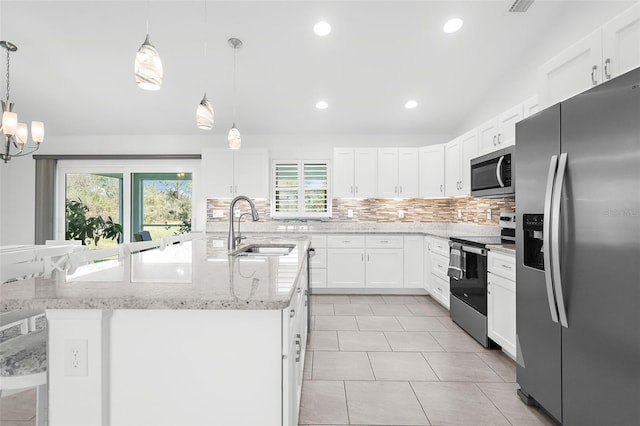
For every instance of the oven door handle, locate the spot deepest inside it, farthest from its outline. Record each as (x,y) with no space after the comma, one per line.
(474,250)
(499,172)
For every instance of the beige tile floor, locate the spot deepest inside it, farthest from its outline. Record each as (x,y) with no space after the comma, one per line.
(386,360)
(400,360)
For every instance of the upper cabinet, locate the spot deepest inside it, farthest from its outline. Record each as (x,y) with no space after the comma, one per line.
(458,155)
(604,54)
(355,172)
(530,106)
(398,173)
(227,173)
(499,132)
(432,171)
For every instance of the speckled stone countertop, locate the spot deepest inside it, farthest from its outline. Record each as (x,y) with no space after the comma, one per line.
(437,229)
(195,275)
(25,354)
(509,249)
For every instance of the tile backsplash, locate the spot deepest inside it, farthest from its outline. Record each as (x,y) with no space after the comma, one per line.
(470,209)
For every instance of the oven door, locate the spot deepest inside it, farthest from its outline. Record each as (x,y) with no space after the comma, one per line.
(472,287)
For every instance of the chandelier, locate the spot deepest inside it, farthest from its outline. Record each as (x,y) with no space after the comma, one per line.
(15,133)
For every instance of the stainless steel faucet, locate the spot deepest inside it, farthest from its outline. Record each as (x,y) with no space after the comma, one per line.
(231,240)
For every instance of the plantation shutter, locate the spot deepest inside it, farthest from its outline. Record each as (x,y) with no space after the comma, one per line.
(300,189)
(315,188)
(286,184)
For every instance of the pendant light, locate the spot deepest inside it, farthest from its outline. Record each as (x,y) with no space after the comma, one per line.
(148,66)
(204,112)
(234,134)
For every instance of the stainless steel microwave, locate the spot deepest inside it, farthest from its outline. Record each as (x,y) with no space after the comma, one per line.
(493,174)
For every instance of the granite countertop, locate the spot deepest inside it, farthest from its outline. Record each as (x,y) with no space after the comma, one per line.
(509,249)
(194,275)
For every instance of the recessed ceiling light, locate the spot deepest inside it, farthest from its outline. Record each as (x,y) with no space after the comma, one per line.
(322,105)
(322,28)
(411,104)
(452,25)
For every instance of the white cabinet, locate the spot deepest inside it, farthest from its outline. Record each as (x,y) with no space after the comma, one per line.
(499,132)
(501,301)
(319,262)
(384,268)
(458,155)
(355,172)
(227,173)
(345,261)
(530,106)
(398,172)
(621,43)
(438,265)
(431,160)
(413,261)
(606,53)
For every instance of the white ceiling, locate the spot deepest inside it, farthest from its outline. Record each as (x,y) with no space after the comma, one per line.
(74,65)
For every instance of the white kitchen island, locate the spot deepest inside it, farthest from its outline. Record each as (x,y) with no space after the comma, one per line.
(182,336)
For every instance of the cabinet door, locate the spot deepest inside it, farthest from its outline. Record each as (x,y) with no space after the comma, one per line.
(408,173)
(343,173)
(366,165)
(413,261)
(488,137)
(507,126)
(469,147)
(452,168)
(426,266)
(501,312)
(530,106)
(345,268)
(384,268)
(387,172)
(621,43)
(575,70)
(251,173)
(432,171)
(217,173)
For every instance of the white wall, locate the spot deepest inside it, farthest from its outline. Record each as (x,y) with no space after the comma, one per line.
(17,184)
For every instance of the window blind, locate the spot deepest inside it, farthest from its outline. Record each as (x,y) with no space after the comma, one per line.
(300,189)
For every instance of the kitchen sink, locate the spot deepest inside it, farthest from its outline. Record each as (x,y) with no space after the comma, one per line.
(264,250)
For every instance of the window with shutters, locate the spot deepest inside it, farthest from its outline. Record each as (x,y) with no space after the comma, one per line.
(300,189)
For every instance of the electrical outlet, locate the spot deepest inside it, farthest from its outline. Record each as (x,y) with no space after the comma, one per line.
(459,213)
(488,214)
(350,213)
(75,358)
(401,214)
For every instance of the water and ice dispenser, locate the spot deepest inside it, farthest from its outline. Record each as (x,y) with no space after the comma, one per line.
(533,254)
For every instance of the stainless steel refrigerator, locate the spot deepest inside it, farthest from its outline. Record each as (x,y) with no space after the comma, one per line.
(578,256)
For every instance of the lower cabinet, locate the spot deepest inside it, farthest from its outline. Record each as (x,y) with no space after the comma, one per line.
(319,262)
(384,268)
(413,261)
(345,268)
(438,263)
(501,302)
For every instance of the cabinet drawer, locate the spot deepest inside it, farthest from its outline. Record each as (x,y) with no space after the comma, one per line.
(440,289)
(345,241)
(384,241)
(440,246)
(439,265)
(319,241)
(502,265)
(319,260)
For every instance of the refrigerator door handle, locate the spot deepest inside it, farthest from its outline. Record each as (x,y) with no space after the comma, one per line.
(555,239)
(546,238)
(499,172)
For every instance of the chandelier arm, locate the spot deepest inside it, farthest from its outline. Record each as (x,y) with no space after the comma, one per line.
(21,153)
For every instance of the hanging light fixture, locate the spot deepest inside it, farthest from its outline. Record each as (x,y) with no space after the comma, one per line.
(16,133)
(204,112)
(148,66)
(234,134)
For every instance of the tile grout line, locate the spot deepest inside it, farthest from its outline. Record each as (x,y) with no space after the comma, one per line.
(487,364)
(346,400)
(431,367)
(493,403)
(419,402)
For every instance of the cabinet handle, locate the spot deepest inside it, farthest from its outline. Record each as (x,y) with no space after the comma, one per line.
(292,313)
(401,189)
(367,258)
(499,138)
(236,188)
(299,290)
(299,344)
(440,187)
(384,242)
(607,74)
(593,75)
(506,266)
(231,189)
(346,241)
(362,257)
(351,189)
(395,189)
(356,189)
(494,140)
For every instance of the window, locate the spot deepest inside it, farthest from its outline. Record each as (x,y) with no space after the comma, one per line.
(300,189)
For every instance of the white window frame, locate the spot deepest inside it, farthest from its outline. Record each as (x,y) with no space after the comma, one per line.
(127,167)
(300,214)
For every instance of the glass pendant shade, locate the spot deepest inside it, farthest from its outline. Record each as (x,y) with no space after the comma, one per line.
(37,131)
(204,114)
(148,67)
(22,134)
(9,123)
(234,138)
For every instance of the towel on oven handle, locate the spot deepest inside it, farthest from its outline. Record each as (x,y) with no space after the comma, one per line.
(456,262)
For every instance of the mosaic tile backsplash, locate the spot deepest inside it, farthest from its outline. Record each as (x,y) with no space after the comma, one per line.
(470,210)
